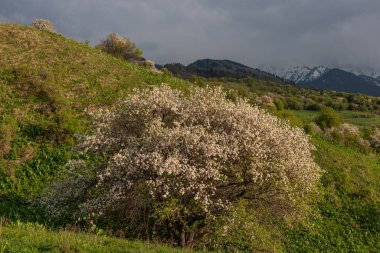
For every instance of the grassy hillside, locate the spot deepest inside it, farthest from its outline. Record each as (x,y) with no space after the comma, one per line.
(48,81)
(20,237)
(350,211)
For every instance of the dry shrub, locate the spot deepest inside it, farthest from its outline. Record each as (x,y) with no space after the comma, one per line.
(44,24)
(374,139)
(314,128)
(265,101)
(149,64)
(120,47)
(176,161)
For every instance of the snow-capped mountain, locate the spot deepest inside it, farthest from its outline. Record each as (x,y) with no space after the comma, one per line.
(324,78)
(297,74)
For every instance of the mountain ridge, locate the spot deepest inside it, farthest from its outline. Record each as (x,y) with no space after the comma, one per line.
(298,74)
(343,81)
(319,77)
(329,78)
(209,68)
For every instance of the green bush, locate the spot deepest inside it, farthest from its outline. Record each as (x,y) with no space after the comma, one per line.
(293,104)
(328,118)
(279,104)
(314,107)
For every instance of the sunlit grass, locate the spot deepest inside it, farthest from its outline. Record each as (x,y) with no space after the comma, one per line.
(32,238)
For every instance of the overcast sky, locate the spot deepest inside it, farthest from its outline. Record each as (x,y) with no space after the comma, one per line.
(253,32)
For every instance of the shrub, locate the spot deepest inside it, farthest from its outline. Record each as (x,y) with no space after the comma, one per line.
(265,101)
(349,135)
(312,128)
(279,104)
(314,107)
(149,64)
(328,118)
(44,24)
(120,47)
(343,133)
(374,139)
(294,104)
(176,161)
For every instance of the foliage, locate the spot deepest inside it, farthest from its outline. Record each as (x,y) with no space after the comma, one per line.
(198,150)
(242,229)
(120,47)
(298,98)
(293,104)
(279,104)
(290,116)
(328,118)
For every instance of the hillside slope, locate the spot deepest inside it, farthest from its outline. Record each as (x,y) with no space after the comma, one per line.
(80,71)
(47,82)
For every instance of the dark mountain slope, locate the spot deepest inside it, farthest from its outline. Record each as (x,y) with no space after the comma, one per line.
(219,68)
(343,81)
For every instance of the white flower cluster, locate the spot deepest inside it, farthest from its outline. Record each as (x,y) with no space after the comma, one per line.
(347,129)
(199,148)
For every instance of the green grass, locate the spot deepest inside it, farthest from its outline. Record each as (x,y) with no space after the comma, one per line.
(306,116)
(350,210)
(47,81)
(361,119)
(32,238)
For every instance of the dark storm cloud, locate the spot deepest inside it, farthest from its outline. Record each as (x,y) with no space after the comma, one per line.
(254,32)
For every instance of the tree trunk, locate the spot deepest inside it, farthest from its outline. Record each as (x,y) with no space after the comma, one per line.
(183,237)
